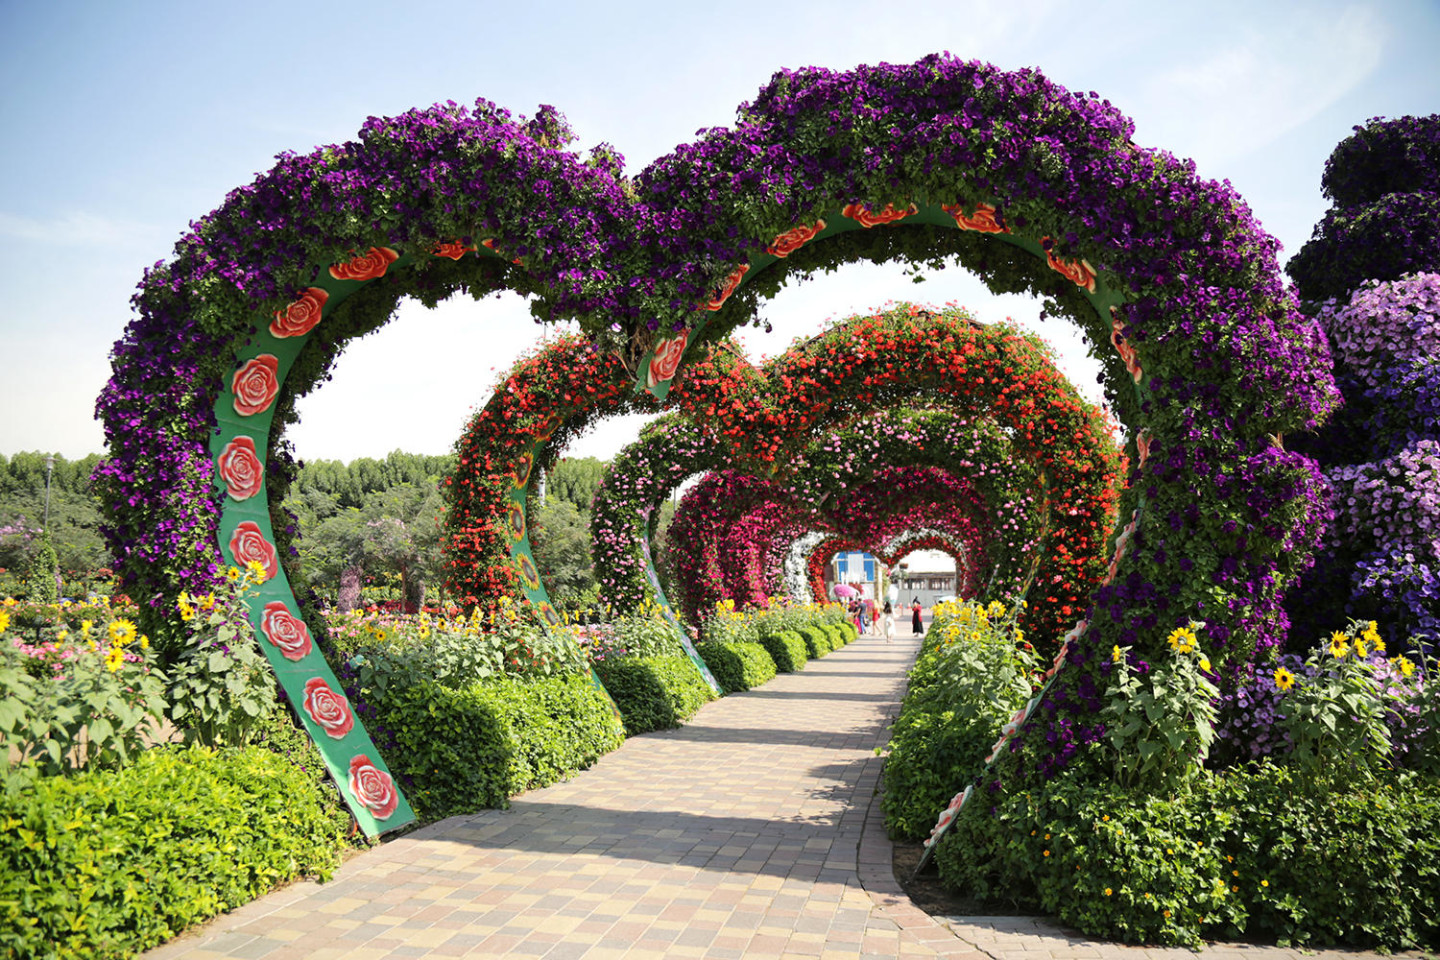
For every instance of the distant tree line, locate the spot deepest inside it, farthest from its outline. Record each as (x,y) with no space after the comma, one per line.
(367,523)
(81,557)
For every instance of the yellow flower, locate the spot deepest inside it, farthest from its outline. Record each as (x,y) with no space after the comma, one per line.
(1264,883)
(1407,669)
(206,602)
(1284,679)
(1116,654)
(85,626)
(62,635)
(1339,644)
(144,642)
(232,574)
(256,569)
(1376,642)
(1205,664)
(4,621)
(114,659)
(121,632)
(1108,891)
(1182,639)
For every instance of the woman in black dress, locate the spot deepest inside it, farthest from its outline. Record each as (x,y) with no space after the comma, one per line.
(915,625)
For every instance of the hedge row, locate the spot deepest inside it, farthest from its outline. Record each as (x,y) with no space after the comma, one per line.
(461,749)
(108,863)
(654,693)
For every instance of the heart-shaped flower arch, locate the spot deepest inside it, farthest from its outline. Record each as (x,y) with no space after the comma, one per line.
(1215,361)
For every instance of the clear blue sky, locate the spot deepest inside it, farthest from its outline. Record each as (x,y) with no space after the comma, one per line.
(122,122)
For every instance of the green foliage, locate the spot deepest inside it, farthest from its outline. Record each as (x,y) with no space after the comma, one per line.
(574,480)
(654,693)
(74,516)
(1260,852)
(647,634)
(969,679)
(389,655)
(74,700)
(817,641)
(223,688)
(1160,726)
(43,574)
(787,649)
(1336,718)
(463,749)
(110,863)
(736,666)
(560,538)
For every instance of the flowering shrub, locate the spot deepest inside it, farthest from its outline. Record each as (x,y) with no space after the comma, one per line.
(1385,325)
(223,691)
(974,670)
(90,696)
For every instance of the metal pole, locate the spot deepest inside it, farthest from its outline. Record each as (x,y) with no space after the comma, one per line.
(49,468)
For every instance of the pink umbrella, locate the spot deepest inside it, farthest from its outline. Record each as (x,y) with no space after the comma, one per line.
(845,590)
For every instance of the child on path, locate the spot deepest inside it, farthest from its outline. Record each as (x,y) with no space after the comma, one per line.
(889,622)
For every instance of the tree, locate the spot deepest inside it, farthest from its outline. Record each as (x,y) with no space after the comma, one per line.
(560,536)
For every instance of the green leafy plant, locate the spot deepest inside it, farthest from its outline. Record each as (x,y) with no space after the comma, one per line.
(1335,718)
(92,697)
(654,693)
(223,690)
(1160,723)
(972,674)
(737,665)
(787,649)
(462,749)
(108,863)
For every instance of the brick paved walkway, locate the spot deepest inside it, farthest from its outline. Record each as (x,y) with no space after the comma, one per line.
(750,832)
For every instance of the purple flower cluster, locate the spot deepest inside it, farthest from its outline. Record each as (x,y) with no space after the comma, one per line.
(1385,326)
(1384,156)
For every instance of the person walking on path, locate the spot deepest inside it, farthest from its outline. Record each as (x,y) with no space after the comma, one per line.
(889,622)
(916,626)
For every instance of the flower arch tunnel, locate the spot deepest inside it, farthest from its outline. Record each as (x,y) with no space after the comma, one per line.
(1030,186)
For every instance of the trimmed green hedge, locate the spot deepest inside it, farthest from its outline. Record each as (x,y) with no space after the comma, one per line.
(737,666)
(109,863)
(1258,852)
(464,749)
(787,649)
(654,693)
(817,641)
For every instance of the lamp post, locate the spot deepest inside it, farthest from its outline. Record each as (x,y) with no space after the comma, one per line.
(49,469)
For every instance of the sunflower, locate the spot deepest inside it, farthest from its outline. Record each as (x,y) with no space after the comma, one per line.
(121,632)
(1339,644)
(1284,679)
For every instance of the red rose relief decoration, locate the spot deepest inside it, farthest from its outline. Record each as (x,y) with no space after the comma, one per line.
(240,468)
(370,265)
(1078,272)
(1142,444)
(328,709)
(793,239)
(867,218)
(301,316)
(255,385)
(732,282)
(984,219)
(453,249)
(666,360)
(286,631)
(248,543)
(372,787)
